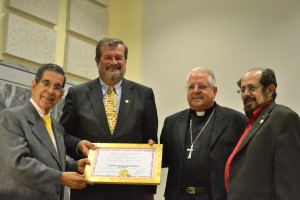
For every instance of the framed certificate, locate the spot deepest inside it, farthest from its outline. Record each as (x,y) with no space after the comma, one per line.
(115,163)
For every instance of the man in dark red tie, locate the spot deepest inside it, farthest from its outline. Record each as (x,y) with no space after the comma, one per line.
(265,163)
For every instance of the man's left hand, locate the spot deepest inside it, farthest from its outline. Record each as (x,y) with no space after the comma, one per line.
(84,146)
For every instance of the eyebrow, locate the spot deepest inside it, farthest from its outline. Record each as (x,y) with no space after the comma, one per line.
(47,80)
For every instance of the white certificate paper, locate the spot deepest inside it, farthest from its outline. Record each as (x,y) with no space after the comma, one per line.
(115,163)
(135,163)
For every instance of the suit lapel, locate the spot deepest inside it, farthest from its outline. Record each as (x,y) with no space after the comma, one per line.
(182,127)
(96,98)
(59,142)
(257,125)
(218,125)
(125,103)
(40,131)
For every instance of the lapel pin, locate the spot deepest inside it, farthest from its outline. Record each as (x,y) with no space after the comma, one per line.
(126,101)
(262,120)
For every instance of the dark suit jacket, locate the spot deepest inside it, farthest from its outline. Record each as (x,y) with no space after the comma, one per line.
(30,166)
(267,164)
(84,117)
(227,128)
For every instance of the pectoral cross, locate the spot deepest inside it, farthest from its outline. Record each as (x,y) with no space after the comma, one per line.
(190,152)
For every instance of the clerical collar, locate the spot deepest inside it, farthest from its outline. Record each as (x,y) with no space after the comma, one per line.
(200,113)
(204,112)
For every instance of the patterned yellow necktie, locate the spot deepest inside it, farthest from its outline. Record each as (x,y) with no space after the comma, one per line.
(111,108)
(47,121)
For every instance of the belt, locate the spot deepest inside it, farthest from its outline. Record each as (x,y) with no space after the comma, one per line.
(196,190)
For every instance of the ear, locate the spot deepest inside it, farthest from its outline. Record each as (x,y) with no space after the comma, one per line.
(215,91)
(97,60)
(271,89)
(61,95)
(33,85)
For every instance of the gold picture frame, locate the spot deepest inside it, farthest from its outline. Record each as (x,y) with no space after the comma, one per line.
(116,163)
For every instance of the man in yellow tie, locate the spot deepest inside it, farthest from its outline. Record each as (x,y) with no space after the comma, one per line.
(33,165)
(110,104)
(132,120)
(48,124)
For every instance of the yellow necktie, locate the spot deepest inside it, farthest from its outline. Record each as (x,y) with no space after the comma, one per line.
(110,104)
(47,121)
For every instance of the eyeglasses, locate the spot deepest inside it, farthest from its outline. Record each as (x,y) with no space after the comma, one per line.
(46,85)
(250,88)
(200,87)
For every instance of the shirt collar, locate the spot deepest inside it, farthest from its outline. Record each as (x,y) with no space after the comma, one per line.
(105,86)
(259,110)
(38,109)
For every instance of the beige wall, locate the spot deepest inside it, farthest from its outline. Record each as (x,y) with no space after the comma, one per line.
(229,37)
(125,21)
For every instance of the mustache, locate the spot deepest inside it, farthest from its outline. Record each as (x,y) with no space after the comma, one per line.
(113,67)
(249,99)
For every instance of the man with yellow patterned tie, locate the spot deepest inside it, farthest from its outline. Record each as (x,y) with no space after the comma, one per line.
(110,104)
(33,165)
(90,113)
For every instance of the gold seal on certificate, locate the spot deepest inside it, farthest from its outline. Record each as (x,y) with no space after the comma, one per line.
(124,173)
(113,163)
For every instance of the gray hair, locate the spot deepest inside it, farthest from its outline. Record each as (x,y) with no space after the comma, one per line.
(211,75)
